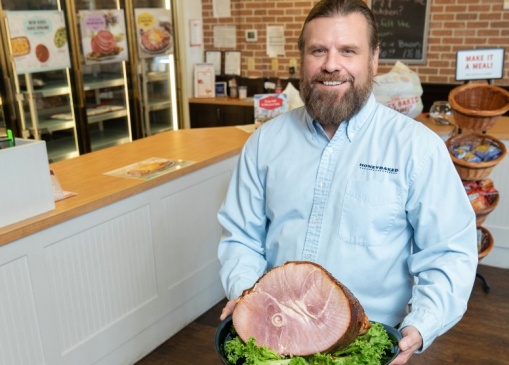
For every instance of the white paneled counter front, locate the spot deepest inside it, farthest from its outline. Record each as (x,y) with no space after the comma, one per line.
(114,271)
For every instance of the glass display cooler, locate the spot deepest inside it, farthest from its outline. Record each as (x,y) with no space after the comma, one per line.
(88,74)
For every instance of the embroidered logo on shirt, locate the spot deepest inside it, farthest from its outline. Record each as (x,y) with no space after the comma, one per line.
(387,170)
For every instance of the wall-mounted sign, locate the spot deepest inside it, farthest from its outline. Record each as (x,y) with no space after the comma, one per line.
(214,57)
(480,64)
(403,29)
(103,36)
(232,62)
(38,40)
(155,32)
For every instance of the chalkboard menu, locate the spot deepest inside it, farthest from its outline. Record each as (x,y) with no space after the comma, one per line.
(403,29)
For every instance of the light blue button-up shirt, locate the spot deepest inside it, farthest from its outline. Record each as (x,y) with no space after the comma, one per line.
(380,206)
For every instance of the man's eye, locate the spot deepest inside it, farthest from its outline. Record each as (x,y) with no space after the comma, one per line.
(318,51)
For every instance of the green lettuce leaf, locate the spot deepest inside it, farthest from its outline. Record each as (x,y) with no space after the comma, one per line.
(367,349)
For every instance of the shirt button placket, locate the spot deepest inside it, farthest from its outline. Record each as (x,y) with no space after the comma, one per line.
(319,201)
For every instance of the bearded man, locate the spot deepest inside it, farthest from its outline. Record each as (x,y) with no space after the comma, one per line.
(366,192)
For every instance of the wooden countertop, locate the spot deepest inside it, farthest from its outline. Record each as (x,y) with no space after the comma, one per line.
(223,100)
(84,175)
(500,130)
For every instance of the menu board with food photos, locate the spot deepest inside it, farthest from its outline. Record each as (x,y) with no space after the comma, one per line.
(38,40)
(103,36)
(154,30)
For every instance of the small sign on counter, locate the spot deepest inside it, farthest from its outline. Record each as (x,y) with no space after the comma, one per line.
(480,64)
(268,106)
(204,80)
(58,192)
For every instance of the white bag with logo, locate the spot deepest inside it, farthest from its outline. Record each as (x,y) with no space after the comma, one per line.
(400,89)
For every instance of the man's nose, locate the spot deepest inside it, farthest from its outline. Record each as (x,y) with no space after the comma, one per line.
(332,62)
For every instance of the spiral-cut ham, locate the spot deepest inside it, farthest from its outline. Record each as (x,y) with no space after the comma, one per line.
(104,42)
(299,309)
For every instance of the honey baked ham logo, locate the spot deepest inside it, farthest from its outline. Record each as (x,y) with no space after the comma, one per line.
(375,168)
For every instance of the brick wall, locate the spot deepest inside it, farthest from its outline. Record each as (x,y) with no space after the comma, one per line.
(453,25)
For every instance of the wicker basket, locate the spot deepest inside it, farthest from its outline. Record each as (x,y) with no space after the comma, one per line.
(481,215)
(474,170)
(478,106)
(487,243)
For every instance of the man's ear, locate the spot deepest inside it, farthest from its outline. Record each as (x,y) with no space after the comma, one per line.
(376,53)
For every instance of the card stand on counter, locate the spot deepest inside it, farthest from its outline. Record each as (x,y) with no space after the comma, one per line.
(477,108)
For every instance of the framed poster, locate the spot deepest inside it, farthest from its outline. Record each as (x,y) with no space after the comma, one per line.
(155,32)
(232,63)
(480,64)
(103,36)
(195,32)
(204,80)
(38,40)
(214,57)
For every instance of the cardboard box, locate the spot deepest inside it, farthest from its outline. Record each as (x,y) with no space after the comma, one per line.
(25,183)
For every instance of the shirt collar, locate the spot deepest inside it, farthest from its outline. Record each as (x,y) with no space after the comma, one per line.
(350,127)
(357,122)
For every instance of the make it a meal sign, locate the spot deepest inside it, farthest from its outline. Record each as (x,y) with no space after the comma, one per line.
(480,64)
(268,106)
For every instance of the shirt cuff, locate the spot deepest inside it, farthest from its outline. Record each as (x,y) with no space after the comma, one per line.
(427,325)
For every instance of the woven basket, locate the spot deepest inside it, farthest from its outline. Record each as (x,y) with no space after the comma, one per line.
(474,170)
(478,106)
(487,243)
(481,215)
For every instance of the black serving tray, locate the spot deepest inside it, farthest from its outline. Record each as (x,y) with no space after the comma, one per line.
(224,334)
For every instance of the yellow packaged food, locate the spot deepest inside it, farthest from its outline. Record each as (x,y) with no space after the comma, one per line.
(20,46)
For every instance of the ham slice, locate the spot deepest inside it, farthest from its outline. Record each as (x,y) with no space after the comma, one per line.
(299,309)
(104,42)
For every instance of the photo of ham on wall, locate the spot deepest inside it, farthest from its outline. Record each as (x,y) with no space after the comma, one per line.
(154,32)
(103,36)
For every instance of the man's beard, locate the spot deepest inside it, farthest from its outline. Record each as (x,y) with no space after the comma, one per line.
(325,107)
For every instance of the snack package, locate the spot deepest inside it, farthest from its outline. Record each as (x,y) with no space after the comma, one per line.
(487,152)
(481,193)
(482,153)
(482,239)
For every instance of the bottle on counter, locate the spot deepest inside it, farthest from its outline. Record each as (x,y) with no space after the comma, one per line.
(279,87)
(233,88)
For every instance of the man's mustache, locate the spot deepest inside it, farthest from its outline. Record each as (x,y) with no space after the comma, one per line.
(331,77)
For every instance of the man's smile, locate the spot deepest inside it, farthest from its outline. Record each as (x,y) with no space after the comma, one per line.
(332,83)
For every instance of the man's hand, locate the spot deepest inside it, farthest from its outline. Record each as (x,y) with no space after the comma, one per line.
(411,342)
(228,309)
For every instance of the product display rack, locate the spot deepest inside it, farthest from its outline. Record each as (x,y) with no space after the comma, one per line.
(476,108)
(39,101)
(156,98)
(93,105)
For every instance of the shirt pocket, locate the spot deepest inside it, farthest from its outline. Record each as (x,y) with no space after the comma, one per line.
(369,212)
